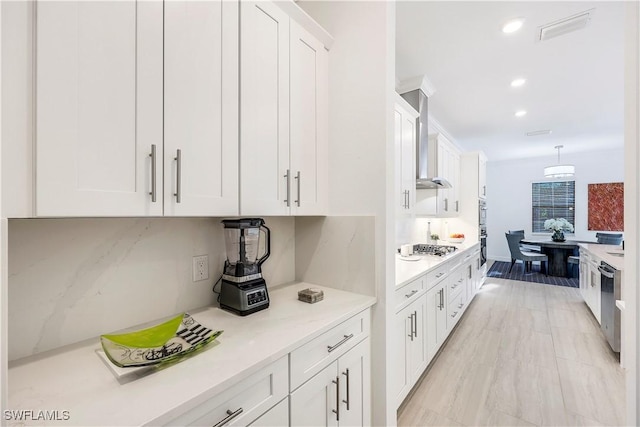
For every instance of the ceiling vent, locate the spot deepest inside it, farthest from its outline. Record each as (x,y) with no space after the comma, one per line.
(564,25)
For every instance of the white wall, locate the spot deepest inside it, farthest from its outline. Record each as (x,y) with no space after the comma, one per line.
(361,97)
(509,193)
(74,279)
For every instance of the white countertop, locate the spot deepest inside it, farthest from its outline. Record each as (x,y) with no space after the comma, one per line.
(408,269)
(75,378)
(604,252)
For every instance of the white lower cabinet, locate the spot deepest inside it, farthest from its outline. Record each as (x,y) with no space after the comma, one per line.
(244,402)
(324,382)
(410,339)
(337,395)
(436,318)
(277,416)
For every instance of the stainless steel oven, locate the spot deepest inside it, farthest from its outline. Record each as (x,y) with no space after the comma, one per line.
(609,313)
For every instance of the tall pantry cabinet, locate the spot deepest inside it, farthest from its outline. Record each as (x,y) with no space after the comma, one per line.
(136,111)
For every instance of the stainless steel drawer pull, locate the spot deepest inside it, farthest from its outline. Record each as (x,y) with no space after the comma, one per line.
(178,160)
(413,292)
(415,319)
(153,173)
(455,313)
(288,178)
(346,338)
(440,274)
(457,205)
(411,323)
(230,415)
(461,305)
(348,399)
(337,410)
(446,204)
(299,181)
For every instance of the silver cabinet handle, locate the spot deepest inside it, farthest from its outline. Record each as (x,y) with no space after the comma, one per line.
(446,204)
(461,305)
(298,180)
(484,190)
(455,313)
(287,176)
(441,298)
(439,274)
(153,192)
(457,205)
(411,323)
(178,192)
(413,292)
(408,199)
(229,417)
(337,410)
(348,399)
(346,338)
(415,319)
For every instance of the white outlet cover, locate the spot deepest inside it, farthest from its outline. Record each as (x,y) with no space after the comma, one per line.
(200,268)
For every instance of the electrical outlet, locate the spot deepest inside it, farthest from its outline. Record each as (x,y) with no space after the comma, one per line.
(200,268)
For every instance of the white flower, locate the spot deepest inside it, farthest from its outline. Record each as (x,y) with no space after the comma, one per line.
(559,224)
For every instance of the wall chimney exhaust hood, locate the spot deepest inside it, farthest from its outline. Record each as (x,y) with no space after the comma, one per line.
(416,92)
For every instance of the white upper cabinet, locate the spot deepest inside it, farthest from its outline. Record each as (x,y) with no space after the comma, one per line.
(137,108)
(98,108)
(283,115)
(201,108)
(405,152)
(482,176)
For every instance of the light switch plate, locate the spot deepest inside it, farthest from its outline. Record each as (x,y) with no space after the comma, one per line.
(200,268)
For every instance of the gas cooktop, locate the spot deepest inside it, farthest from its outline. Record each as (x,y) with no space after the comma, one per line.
(439,250)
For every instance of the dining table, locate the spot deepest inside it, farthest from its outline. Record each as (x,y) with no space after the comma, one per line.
(557,252)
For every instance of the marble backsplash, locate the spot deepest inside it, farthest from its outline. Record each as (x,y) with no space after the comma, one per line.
(73,279)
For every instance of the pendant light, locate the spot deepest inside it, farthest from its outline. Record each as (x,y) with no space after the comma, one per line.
(559,171)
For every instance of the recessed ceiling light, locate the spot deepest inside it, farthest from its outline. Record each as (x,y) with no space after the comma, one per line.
(520,113)
(539,132)
(513,25)
(518,82)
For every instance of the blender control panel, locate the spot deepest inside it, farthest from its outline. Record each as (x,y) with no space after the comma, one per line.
(256,297)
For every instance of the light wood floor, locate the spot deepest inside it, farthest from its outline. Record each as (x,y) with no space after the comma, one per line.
(523,354)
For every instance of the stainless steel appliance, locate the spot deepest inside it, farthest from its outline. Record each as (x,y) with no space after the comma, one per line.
(243,290)
(609,313)
(482,226)
(438,250)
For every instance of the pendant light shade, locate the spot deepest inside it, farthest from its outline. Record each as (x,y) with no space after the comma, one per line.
(559,171)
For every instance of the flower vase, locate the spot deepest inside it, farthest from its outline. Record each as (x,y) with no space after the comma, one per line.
(558,236)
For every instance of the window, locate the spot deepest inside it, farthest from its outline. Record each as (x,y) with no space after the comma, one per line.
(552,199)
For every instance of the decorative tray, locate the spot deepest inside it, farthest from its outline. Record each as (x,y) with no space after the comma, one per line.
(167,341)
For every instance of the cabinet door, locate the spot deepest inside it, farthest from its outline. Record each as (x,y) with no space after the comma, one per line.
(99,108)
(418,348)
(444,194)
(435,319)
(401,196)
(314,403)
(409,159)
(308,123)
(265,178)
(482,176)
(402,344)
(201,108)
(454,158)
(354,372)
(277,416)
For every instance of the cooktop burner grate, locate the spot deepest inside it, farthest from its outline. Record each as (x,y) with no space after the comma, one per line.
(439,250)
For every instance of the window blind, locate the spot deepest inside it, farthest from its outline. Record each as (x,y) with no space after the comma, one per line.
(552,199)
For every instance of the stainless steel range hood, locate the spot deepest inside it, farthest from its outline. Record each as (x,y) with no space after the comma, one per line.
(418,100)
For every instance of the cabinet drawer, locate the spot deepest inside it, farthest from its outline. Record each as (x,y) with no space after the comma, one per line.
(312,357)
(249,399)
(455,309)
(409,293)
(456,284)
(435,276)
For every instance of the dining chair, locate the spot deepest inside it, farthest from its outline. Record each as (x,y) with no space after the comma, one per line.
(527,257)
(609,238)
(574,262)
(528,248)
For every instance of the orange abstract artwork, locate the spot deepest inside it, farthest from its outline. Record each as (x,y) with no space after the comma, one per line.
(606,207)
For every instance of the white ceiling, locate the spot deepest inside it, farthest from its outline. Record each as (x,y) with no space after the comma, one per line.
(574,82)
